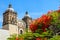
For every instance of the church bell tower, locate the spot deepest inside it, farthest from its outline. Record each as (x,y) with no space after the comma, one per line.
(10,20)
(9,17)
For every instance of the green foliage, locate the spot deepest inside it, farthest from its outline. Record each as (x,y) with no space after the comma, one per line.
(12,37)
(26,36)
(54,17)
(56,37)
(39,31)
(30,35)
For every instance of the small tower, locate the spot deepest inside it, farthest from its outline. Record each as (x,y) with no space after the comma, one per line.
(10,20)
(27,19)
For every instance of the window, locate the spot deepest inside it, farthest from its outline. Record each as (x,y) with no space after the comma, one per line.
(21,31)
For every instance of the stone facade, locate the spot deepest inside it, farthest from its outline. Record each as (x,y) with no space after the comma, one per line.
(12,24)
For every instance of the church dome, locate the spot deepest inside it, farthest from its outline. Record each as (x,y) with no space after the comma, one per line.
(10,8)
(27,15)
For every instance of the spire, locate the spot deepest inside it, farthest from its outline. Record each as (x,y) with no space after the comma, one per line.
(10,6)
(26,14)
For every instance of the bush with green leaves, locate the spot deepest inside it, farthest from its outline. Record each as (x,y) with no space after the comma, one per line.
(56,37)
(31,36)
(12,37)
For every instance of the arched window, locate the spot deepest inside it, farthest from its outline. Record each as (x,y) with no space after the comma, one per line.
(21,31)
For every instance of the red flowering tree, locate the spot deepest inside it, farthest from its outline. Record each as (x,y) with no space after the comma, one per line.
(41,23)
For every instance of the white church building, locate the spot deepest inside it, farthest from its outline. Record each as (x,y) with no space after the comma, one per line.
(11,25)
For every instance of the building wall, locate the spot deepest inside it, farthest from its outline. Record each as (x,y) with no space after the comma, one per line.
(4,34)
(21,26)
(13,29)
(6,27)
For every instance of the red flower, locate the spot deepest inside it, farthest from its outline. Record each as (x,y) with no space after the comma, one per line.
(58,11)
(33,27)
(39,20)
(49,12)
(38,38)
(16,38)
(44,21)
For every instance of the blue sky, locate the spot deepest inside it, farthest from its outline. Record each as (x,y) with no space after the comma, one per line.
(35,8)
